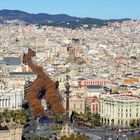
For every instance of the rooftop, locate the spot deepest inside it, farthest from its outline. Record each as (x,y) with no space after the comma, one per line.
(12,60)
(121,98)
(21,73)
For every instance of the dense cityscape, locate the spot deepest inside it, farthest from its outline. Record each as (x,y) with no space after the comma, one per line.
(97,71)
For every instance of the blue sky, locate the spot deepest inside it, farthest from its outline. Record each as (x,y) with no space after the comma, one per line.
(104,9)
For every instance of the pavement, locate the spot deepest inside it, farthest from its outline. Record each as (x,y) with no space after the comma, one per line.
(35,128)
(101,133)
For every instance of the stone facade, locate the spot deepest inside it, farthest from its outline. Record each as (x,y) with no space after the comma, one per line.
(11,101)
(12,133)
(76,104)
(119,110)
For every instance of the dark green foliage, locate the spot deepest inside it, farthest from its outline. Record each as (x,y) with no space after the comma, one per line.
(18,116)
(56,127)
(40,138)
(88,119)
(73,137)
(138,138)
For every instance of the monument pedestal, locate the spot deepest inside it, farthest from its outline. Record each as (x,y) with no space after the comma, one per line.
(67,130)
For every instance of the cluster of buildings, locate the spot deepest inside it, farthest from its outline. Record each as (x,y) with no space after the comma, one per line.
(103,65)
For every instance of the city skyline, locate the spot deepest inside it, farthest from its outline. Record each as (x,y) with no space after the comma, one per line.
(101,9)
(63,75)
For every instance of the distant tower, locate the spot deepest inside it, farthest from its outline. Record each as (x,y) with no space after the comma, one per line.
(71,54)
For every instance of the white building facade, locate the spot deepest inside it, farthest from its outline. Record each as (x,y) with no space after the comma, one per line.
(11,101)
(119,110)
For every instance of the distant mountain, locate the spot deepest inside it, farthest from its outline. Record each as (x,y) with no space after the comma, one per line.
(61,20)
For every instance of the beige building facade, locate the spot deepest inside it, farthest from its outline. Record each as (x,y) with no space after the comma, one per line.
(119,110)
(76,104)
(14,133)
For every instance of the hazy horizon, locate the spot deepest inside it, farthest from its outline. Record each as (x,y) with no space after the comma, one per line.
(101,9)
(68,15)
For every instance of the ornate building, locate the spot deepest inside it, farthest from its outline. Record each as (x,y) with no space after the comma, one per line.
(10,133)
(10,98)
(119,110)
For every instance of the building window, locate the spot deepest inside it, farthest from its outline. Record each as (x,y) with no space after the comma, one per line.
(3,103)
(118,109)
(118,122)
(126,123)
(130,114)
(74,107)
(6,103)
(80,106)
(137,110)
(118,114)
(93,106)
(121,122)
(96,107)
(9,102)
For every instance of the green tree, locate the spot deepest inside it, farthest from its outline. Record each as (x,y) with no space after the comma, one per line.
(84,116)
(7,115)
(73,137)
(56,127)
(19,116)
(96,120)
(133,123)
(23,119)
(60,117)
(64,138)
(40,138)
(138,138)
(88,110)
(2,118)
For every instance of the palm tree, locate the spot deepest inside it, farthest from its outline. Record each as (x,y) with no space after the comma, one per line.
(12,112)
(19,116)
(23,119)
(7,115)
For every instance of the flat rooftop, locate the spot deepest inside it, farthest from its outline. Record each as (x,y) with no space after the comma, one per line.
(121,98)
